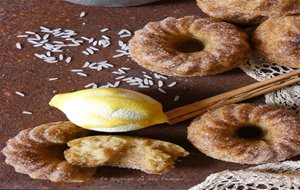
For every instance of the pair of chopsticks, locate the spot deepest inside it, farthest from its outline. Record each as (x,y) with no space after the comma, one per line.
(195,109)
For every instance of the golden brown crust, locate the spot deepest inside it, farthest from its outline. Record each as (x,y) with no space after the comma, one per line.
(248,11)
(215,135)
(225,47)
(149,155)
(38,152)
(278,40)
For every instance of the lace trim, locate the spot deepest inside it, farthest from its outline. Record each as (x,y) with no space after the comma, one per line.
(279,176)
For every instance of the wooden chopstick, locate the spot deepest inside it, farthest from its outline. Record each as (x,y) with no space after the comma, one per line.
(197,108)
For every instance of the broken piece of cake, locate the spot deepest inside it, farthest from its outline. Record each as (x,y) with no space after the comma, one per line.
(148,155)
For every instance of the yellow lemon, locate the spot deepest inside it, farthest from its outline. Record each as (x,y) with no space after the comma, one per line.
(110,109)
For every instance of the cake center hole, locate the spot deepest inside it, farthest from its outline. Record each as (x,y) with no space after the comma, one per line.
(188,45)
(250,132)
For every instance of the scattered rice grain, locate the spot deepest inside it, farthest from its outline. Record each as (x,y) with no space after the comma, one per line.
(44,28)
(172,84)
(22,36)
(118,55)
(176,98)
(58,42)
(125,68)
(93,85)
(95,43)
(159,76)
(52,79)
(91,40)
(151,82)
(29,32)
(82,14)
(82,74)
(86,64)
(85,53)
(20,93)
(104,30)
(77,70)
(90,51)
(68,59)
(94,48)
(142,86)
(162,90)
(120,77)
(160,84)
(147,76)
(26,112)
(105,37)
(46,36)
(124,33)
(18,46)
(85,38)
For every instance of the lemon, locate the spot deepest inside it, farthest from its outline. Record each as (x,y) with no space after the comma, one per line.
(110,109)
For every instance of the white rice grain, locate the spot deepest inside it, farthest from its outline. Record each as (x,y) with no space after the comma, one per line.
(52,79)
(77,70)
(147,76)
(172,84)
(44,28)
(27,112)
(22,36)
(20,93)
(104,30)
(160,84)
(93,85)
(86,64)
(105,37)
(90,51)
(176,98)
(68,59)
(46,36)
(29,32)
(124,33)
(125,68)
(94,48)
(95,43)
(85,38)
(18,46)
(85,53)
(82,14)
(120,77)
(91,40)
(82,74)
(162,90)
(159,76)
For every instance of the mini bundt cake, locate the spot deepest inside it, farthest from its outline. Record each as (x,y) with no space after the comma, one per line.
(189,46)
(38,152)
(248,11)
(247,133)
(277,40)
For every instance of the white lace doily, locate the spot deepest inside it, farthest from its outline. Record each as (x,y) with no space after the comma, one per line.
(290,168)
(260,70)
(281,176)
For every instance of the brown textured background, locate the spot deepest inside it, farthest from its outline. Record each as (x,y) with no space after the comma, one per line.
(21,71)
